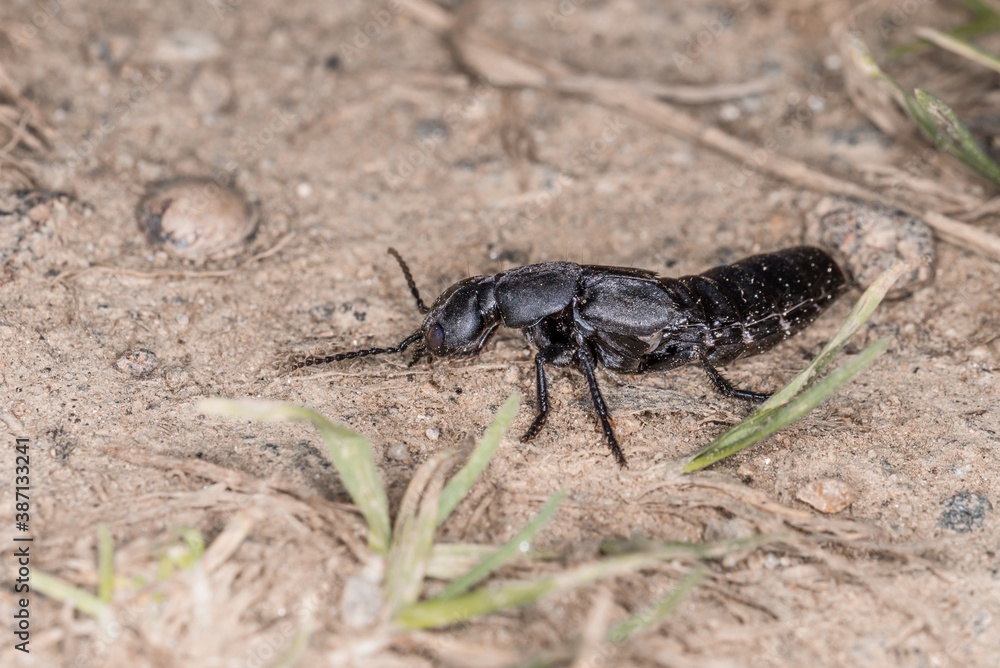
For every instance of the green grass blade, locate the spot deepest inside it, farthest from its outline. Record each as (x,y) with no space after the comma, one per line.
(414,535)
(985,20)
(105,564)
(291,655)
(437,612)
(765,422)
(862,58)
(858,316)
(948,132)
(450,560)
(64,592)
(982,25)
(937,120)
(409,505)
(687,550)
(655,613)
(509,550)
(979,8)
(960,48)
(462,482)
(350,452)
(177,557)
(195,544)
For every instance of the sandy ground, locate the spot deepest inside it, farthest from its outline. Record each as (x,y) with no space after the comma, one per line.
(348,146)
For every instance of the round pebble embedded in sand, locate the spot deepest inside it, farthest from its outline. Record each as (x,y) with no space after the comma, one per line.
(137,362)
(197,219)
(964,512)
(868,239)
(398,452)
(827,496)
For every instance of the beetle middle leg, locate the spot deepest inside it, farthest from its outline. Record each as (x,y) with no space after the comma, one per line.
(726,388)
(543,401)
(586,360)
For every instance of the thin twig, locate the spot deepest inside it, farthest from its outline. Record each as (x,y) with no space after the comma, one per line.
(476,51)
(179,273)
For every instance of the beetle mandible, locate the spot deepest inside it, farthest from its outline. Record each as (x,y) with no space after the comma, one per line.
(627,320)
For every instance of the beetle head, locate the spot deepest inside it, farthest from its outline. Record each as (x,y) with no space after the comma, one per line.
(462,318)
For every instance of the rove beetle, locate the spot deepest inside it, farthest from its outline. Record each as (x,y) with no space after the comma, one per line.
(627,320)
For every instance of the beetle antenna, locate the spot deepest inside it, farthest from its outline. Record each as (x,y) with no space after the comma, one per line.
(315,360)
(409,280)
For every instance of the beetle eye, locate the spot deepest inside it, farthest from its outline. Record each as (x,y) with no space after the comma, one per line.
(435,338)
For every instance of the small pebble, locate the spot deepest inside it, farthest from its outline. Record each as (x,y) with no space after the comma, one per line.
(729,112)
(431,129)
(398,452)
(196,218)
(39,214)
(322,312)
(28,218)
(827,496)
(964,512)
(137,362)
(868,239)
(186,45)
(360,603)
(432,433)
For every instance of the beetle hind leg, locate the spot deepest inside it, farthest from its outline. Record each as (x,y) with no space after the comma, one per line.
(542,415)
(587,366)
(726,388)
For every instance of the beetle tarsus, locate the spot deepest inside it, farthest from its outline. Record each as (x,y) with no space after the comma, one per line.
(726,388)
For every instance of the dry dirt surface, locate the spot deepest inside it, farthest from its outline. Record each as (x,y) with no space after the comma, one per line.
(473,137)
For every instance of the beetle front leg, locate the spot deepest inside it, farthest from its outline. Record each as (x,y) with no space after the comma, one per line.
(541,383)
(587,366)
(419,353)
(726,388)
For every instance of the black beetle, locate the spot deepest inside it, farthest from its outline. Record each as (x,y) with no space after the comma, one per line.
(627,320)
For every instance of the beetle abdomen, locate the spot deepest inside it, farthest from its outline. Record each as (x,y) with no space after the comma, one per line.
(755,303)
